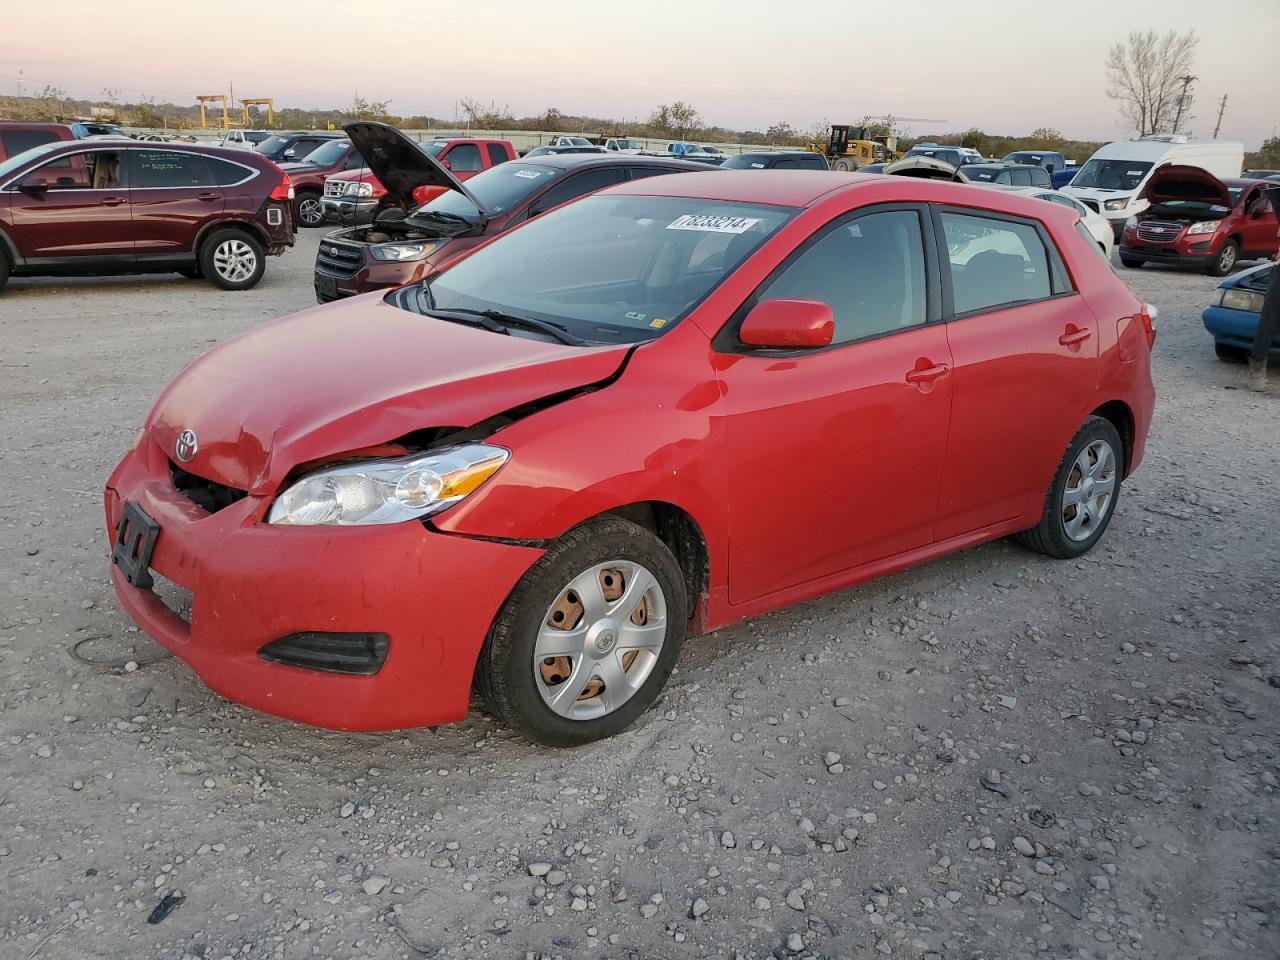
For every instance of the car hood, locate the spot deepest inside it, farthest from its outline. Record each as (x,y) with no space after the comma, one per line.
(1179,182)
(401,165)
(345,377)
(928,168)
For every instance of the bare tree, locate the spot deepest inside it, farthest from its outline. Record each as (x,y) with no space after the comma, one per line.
(1145,76)
(678,119)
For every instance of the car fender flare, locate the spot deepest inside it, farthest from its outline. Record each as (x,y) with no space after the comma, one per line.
(245,224)
(9,249)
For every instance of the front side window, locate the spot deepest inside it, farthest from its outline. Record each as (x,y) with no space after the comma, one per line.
(612,269)
(94,170)
(578,185)
(870,271)
(995,263)
(168,168)
(464,158)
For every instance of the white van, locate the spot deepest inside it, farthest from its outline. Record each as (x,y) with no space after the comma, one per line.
(1119,171)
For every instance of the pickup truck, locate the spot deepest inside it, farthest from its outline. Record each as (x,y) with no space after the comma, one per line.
(693,151)
(622,145)
(567,141)
(1061,170)
(356,196)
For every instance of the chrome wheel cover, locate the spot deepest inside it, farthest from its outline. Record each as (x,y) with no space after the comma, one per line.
(235,261)
(600,640)
(1089,490)
(309,211)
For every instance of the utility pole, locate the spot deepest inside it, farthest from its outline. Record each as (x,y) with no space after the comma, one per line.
(1222,106)
(1182,100)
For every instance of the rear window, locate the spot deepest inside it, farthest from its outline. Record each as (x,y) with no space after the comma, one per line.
(16,141)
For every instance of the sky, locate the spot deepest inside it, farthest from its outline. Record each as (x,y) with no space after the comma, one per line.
(744,64)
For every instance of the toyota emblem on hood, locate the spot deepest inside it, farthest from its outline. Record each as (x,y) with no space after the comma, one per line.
(187,445)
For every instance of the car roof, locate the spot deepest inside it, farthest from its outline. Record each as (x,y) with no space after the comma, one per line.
(1000,166)
(34,125)
(128,143)
(563,160)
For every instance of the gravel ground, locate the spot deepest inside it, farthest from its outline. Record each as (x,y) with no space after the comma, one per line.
(992,755)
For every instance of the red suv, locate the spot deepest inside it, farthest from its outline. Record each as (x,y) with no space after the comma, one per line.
(400,248)
(1197,220)
(310,173)
(357,195)
(124,206)
(15,136)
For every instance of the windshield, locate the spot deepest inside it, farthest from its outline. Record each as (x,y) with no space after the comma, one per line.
(627,144)
(327,154)
(608,269)
(1020,157)
(26,156)
(273,145)
(745,161)
(982,175)
(1111,174)
(1193,208)
(498,189)
(435,148)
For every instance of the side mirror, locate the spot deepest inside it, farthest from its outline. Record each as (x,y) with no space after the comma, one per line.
(788,325)
(446,164)
(34,185)
(288,154)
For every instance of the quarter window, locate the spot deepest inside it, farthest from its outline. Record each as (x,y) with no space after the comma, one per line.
(995,263)
(225,173)
(168,168)
(870,271)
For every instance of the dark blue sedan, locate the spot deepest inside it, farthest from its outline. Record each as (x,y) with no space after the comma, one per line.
(1232,317)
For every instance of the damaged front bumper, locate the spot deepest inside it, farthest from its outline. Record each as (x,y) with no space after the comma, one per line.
(429,597)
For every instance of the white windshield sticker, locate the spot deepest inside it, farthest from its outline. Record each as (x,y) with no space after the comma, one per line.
(1133,173)
(528,174)
(757,166)
(713,224)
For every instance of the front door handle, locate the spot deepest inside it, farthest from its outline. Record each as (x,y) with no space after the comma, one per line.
(113,201)
(1074,335)
(927,374)
(207,197)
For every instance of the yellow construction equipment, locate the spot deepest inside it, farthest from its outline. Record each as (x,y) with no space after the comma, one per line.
(849,148)
(214,98)
(248,102)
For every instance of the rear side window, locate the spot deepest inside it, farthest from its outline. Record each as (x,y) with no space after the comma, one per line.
(1040,177)
(16,141)
(225,173)
(996,263)
(577,185)
(497,154)
(464,158)
(870,271)
(153,169)
(648,170)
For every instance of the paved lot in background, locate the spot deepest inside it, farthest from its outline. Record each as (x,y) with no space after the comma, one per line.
(1122,700)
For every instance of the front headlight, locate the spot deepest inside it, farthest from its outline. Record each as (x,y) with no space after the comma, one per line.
(1116,204)
(1235,299)
(1204,226)
(357,189)
(401,251)
(1131,223)
(388,491)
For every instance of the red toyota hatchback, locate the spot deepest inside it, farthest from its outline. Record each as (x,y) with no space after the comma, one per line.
(652,412)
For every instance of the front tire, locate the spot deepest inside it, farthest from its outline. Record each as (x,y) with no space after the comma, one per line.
(308,210)
(1133,263)
(232,259)
(1083,495)
(1225,261)
(588,637)
(845,167)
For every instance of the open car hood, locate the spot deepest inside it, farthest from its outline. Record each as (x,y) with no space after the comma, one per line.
(928,168)
(1178,182)
(401,165)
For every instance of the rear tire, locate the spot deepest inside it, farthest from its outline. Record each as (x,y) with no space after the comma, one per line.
(1132,263)
(232,259)
(1229,354)
(519,673)
(844,166)
(307,209)
(1225,261)
(1083,495)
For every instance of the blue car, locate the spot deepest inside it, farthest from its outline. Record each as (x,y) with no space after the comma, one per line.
(1232,318)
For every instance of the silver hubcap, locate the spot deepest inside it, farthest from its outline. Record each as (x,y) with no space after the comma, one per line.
(1227,259)
(235,260)
(600,640)
(1091,486)
(309,211)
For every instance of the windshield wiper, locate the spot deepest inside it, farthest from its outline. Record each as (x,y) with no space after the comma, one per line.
(498,321)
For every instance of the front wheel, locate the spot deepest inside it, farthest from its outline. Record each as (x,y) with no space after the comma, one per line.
(587,639)
(232,259)
(1082,497)
(844,166)
(308,209)
(1133,263)
(1226,259)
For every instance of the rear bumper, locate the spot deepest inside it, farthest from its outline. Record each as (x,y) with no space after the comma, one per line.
(434,595)
(1234,328)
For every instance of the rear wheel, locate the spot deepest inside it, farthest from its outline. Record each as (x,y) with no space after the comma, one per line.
(1082,497)
(1226,259)
(588,637)
(308,210)
(845,166)
(232,259)
(1230,354)
(1132,263)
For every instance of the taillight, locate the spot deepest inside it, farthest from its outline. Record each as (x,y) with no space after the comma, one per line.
(284,189)
(1148,316)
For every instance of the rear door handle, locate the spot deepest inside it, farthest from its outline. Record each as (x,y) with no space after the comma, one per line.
(206,197)
(928,374)
(113,201)
(1074,336)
